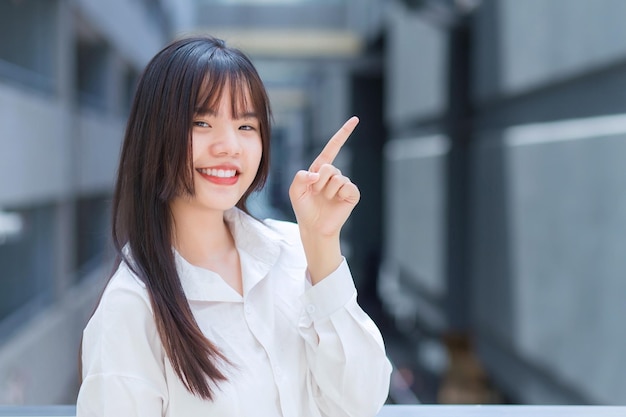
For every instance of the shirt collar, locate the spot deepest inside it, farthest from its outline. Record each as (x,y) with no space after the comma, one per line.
(259,249)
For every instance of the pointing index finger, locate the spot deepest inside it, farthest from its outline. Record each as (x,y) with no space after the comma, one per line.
(332,148)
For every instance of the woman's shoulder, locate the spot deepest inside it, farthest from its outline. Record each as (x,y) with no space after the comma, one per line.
(285,230)
(124,309)
(125,292)
(288,235)
(121,336)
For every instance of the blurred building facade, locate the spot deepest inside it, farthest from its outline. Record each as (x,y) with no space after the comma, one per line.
(488,156)
(67,72)
(504,183)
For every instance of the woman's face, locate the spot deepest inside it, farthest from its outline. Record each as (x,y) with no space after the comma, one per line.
(226,155)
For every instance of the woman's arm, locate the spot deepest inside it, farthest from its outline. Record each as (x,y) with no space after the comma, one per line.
(349,373)
(348,370)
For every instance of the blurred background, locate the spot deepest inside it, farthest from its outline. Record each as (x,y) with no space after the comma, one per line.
(490,241)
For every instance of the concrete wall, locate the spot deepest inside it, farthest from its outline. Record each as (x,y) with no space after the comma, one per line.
(39,363)
(413,282)
(57,152)
(99,144)
(548,266)
(415,66)
(549,269)
(546,207)
(415,170)
(128,26)
(33,133)
(534,43)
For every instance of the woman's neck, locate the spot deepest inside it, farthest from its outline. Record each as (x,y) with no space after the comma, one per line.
(202,237)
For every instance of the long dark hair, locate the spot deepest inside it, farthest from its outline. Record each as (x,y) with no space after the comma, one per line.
(155,166)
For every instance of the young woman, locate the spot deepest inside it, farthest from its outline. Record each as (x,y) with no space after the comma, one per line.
(212,312)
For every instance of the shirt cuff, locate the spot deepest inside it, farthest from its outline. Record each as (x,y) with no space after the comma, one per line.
(330,294)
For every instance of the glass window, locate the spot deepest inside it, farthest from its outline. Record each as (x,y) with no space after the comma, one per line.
(131,77)
(91,61)
(92,232)
(28,42)
(26,259)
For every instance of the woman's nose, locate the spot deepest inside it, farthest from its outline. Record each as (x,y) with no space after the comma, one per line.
(227,143)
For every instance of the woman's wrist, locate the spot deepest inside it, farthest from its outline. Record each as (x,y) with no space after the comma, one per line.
(323,254)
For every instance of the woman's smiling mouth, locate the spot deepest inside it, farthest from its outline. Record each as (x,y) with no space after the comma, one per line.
(222,173)
(221,176)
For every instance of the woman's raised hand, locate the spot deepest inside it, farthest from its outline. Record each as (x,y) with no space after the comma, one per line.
(323,198)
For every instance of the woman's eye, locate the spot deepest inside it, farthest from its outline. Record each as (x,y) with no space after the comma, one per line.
(200,123)
(246,127)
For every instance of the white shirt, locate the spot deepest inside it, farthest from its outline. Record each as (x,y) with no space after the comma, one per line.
(298,350)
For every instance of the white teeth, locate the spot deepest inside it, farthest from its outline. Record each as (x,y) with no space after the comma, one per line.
(222,173)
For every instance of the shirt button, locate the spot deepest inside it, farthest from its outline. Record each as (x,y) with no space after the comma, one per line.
(310,309)
(248,310)
(278,371)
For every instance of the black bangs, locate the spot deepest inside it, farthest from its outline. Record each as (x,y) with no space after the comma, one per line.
(226,72)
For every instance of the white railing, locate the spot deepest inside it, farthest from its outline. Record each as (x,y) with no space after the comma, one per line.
(397,411)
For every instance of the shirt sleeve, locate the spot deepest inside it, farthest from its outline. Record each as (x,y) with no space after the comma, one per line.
(349,372)
(122,359)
